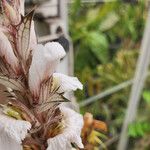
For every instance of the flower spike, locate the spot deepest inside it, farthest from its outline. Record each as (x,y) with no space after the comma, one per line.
(31,115)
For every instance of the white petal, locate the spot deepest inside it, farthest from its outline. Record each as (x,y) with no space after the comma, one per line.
(6,51)
(44,62)
(71,134)
(33,39)
(21,8)
(67,83)
(56,51)
(12,132)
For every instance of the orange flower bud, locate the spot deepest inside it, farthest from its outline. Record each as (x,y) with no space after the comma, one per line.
(99,125)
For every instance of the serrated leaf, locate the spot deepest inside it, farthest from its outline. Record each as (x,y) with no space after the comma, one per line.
(24,112)
(57,98)
(45,90)
(3,68)
(24,36)
(1,19)
(53,100)
(46,106)
(49,96)
(11,83)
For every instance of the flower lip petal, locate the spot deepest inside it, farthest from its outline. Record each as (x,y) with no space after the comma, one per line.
(56,51)
(6,51)
(33,39)
(67,83)
(12,132)
(71,133)
(21,7)
(44,62)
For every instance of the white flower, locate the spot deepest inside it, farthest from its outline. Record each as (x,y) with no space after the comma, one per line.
(66,83)
(71,134)
(7,53)
(12,132)
(44,62)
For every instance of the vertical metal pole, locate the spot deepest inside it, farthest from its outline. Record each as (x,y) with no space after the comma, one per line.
(137,87)
(64,16)
(63,10)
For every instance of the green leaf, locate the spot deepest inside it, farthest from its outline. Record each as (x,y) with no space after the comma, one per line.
(75,7)
(138,129)
(146,96)
(98,44)
(110,21)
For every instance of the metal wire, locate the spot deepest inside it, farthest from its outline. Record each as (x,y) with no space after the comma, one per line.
(106,93)
(94,1)
(97,1)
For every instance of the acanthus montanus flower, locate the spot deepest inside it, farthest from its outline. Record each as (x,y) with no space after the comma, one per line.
(32,117)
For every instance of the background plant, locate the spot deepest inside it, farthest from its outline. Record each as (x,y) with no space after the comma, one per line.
(98,31)
(106,40)
(140,129)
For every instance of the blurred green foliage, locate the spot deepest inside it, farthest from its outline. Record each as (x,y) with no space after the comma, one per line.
(140,129)
(106,40)
(99,30)
(111,108)
(146,96)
